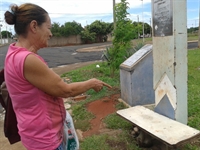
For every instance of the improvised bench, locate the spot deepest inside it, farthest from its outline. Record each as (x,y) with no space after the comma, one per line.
(170,132)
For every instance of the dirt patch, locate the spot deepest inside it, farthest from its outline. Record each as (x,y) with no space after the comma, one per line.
(100,108)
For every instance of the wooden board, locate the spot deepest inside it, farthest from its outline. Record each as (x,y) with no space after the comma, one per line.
(169,131)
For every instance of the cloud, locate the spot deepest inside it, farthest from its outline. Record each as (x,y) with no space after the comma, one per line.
(87,11)
(81,11)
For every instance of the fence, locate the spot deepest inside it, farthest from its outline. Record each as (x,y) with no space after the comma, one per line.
(56,41)
(5,41)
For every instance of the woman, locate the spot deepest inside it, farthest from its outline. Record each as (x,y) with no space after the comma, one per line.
(35,89)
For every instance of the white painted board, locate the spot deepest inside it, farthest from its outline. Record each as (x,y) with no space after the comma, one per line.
(131,61)
(168,130)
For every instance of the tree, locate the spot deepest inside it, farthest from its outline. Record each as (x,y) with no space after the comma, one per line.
(101,29)
(55,29)
(87,37)
(71,28)
(6,34)
(147,28)
(192,29)
(139,28)
(123,34)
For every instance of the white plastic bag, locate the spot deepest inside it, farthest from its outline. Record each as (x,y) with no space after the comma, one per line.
(70,137)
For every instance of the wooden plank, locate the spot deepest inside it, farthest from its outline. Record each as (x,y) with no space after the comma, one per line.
(163,128)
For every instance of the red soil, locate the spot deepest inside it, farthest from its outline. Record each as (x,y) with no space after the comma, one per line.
(100,108)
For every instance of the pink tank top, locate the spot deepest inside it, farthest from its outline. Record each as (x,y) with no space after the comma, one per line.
(40,116)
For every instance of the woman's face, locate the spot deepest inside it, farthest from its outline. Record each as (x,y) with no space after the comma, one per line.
(45,33)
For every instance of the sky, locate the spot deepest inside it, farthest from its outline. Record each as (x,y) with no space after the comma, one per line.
(87,11)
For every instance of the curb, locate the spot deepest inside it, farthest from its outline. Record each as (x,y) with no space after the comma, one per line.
(192,41)
(94,49)
(66,68)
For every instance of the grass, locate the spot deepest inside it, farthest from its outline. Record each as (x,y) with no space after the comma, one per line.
(191,37)
(193,88)
(124,140)
(106,142)
(102,73)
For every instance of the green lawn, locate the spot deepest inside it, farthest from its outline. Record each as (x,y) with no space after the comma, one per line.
(149,40)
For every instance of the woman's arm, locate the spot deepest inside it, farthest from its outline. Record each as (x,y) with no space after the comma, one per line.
(39,75)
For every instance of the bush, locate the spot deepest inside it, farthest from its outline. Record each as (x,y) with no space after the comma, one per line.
(88,37)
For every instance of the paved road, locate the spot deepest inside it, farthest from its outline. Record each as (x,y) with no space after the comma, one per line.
(57,56)
(192,45)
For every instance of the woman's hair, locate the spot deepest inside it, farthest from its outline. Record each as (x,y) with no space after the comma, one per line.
(21,16)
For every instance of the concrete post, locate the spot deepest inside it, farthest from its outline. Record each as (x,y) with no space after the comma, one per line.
(170,58)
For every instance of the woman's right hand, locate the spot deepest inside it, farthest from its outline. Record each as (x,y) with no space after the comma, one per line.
(98,84)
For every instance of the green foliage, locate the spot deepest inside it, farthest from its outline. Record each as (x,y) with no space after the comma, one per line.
(120,106)
(131,51)
(138,29)
(121,11)
(115,57)
(121,141)
(91,71)
(88,37)
(83,125)
(101,30)
(96,32)
(81,117)
(107,55)
(55,29)
(123,34)
(124,31)
(71,28)
(113,121)
(147,28)
(80,112)
(95,143)
(192,29)
(6,34)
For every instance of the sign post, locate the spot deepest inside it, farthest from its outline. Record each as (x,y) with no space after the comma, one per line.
(170,58)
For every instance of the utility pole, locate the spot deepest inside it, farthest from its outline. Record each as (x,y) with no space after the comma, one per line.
(114,16)
(199,28)
(138,26)
(142,22)
(7,34)
(150,27)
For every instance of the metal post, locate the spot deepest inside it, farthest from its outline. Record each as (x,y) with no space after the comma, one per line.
(7,34)
(142,22)
(138,26)
(150,28)
(114,18)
